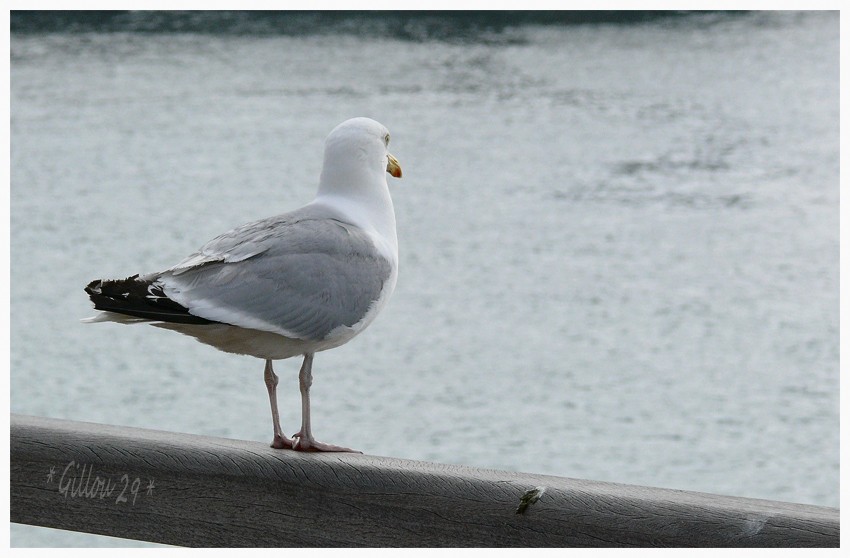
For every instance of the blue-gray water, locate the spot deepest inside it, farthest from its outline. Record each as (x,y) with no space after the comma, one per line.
(619,243)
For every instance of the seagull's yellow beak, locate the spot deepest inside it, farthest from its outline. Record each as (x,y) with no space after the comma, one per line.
(393,167)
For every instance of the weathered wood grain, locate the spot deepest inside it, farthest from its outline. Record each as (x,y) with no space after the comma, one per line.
(202,491)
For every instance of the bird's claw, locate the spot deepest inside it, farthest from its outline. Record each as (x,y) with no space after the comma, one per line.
(282,442)
(308,443)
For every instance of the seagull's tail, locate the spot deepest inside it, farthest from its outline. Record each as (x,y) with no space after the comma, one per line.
(136,299)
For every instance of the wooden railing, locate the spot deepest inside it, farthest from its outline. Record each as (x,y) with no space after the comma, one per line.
(189,490)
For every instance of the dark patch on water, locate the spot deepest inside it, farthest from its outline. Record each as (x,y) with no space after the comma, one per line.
(478,26)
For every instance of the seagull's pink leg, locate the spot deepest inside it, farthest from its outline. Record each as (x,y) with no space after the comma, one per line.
(280,441)
(303,439)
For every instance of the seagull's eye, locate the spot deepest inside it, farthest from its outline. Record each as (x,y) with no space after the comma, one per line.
(387,139)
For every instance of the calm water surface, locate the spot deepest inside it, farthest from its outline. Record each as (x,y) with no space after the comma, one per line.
(619,244)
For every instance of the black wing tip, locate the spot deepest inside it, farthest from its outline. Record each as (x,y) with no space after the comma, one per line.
(140,298)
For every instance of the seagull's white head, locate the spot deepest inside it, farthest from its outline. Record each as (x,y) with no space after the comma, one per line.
(356,155)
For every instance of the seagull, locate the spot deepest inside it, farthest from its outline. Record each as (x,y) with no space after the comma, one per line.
(291,285)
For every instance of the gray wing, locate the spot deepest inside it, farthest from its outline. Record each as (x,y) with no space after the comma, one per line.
(300,274)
